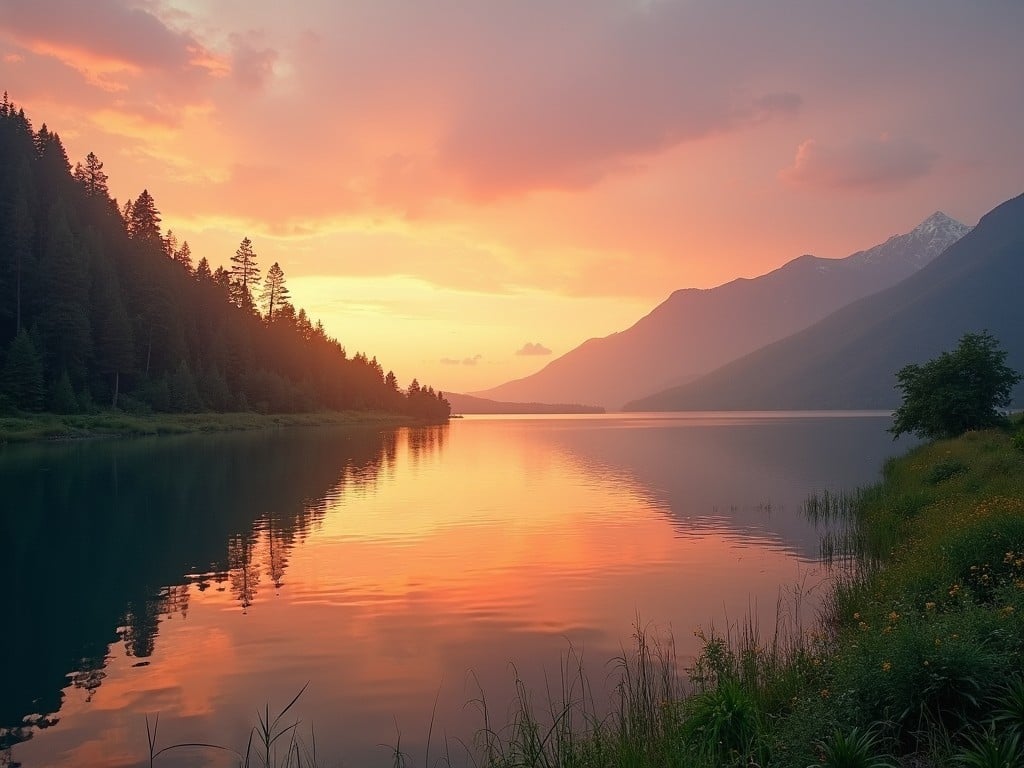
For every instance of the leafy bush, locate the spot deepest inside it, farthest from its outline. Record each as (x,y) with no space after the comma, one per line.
(853,749)
(957,391)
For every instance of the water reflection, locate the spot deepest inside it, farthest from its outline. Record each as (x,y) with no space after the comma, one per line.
(201,577)
(103,538)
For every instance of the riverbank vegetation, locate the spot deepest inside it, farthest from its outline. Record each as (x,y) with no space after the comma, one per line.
(100,308)
(49,426)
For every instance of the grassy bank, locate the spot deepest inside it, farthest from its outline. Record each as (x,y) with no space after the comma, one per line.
(47,426)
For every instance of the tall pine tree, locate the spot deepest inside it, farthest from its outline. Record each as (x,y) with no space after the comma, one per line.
(275,292)
(245,275)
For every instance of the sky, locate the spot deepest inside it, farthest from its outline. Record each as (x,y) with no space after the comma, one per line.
(468,190)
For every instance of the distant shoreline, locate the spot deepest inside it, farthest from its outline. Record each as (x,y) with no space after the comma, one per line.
(37,427)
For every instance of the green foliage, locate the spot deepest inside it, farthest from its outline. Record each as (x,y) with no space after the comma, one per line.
(62,399)
(1009,712)
(957,391)
(992,751)
(723,722)
(855,748)
(1018,440)
(945,470)
(22,380)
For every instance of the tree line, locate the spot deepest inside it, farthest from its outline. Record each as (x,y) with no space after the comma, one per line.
(100,308)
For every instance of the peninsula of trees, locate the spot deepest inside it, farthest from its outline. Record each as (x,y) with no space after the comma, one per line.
(98,307)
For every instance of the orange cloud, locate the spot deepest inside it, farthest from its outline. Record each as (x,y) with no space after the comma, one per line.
(101,30)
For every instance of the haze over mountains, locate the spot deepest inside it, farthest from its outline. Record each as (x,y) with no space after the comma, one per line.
(695,331)
(849,359)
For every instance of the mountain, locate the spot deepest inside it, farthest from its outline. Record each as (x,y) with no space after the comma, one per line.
(470,404)
(849,359)
(695,331)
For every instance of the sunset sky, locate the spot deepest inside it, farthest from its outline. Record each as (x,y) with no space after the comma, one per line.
(468,189)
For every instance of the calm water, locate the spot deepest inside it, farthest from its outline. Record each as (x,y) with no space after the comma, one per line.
(200,577)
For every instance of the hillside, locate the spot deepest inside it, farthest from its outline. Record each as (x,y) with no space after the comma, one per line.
(849,359)
(470,404)
(101,308)
(695,331)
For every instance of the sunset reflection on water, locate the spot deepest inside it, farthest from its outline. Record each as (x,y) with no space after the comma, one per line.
(433,561)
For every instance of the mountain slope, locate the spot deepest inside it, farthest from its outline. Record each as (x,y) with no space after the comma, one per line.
(463,404)
(695,331)
(848,360)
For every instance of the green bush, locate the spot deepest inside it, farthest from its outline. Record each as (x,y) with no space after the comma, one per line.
(945,470)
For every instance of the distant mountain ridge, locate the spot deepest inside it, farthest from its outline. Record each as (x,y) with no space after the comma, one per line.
(849,359)
(695,331)
(467,404)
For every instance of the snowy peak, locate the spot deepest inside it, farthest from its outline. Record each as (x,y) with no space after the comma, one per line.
(917,247)
(941,226)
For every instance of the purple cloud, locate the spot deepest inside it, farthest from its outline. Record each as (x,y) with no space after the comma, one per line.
(868,164)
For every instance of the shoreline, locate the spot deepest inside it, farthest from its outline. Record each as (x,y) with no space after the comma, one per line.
(51,427)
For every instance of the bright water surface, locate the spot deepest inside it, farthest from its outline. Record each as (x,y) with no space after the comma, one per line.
(201,577)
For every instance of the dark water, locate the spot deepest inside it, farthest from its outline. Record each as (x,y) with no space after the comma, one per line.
(202,577)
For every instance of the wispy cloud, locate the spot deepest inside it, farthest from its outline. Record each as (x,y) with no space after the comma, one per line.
(867,164)
(533,348)
(464,361)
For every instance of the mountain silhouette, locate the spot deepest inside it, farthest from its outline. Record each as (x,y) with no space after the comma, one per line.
(695,331)
(849,359)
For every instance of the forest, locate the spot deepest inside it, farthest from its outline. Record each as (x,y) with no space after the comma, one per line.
(99,308)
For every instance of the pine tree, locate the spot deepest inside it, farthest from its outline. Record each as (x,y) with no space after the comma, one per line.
(203,272)
(275,292)
(65,283)
(62,397)
(170,243)
(245,275)
(183,256)
(143,219)
(115,352)
(91,176)
(22,379)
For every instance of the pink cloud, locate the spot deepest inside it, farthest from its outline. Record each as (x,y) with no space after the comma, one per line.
(868,164)
(252,65)
(100,29)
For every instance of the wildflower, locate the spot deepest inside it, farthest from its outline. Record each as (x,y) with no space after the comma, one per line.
(825,693)
(1007,610)
(856,615)
(929,606)
(886,666)
(893,616)
(863,626)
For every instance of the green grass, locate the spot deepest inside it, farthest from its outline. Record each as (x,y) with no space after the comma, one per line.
(47,426)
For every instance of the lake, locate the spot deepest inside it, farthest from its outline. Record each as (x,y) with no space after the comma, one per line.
(397,572)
